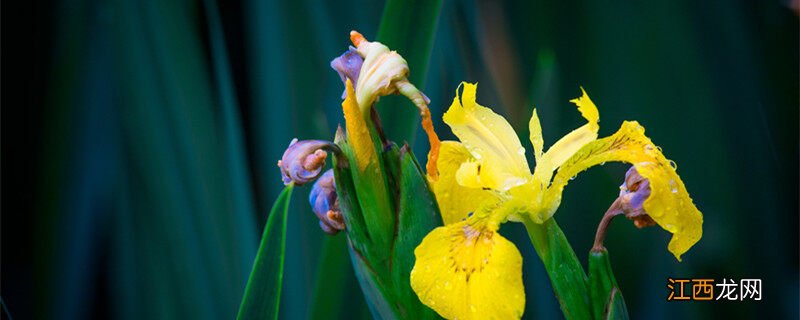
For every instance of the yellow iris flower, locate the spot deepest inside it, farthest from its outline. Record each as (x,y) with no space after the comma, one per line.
(466,269)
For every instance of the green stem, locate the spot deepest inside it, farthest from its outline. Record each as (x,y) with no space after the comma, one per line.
(566,274)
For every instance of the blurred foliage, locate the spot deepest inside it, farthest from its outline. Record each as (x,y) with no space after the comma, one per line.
(154,156)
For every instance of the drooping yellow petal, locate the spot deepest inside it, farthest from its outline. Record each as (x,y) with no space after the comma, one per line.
(669,203)
(570,143)
(467,273)
(357,131)
(535,128)
(455,201)
(490,140)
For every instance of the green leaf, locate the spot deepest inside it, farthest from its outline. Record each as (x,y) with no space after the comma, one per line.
(263,293)
(418,214)
(607,300)
(408,27)
(374,287)
(357,230)
(615,308)
(562,265)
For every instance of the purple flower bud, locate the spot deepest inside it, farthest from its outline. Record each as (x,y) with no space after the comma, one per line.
(302,162)
(348,65)
(632,194)
(325,204)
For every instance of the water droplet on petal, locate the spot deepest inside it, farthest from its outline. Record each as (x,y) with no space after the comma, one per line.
(521,151)
(572,178)
(673,165)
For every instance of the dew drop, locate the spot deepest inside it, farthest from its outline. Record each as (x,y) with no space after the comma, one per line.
(603,163)
(673,165)
(521,151)
(572,178)
(673,186)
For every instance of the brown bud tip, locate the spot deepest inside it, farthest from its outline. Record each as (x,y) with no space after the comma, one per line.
(356,38)
(315,160)
(335,219)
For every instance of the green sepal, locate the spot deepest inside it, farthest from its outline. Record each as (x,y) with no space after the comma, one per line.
(566,274)
(607,300)
(262,295)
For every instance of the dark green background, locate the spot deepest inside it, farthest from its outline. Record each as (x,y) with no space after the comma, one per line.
(140,141)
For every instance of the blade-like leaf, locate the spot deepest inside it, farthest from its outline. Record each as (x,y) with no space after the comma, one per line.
(562,265)
(263,293)
(418,214)
(607,300)
(615,308)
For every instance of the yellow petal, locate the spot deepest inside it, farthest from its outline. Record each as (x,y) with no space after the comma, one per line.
(669,203)
(535,127)
(587,108)
(357,131)
(570,143)
(455,201)
(490,140)
(464,273)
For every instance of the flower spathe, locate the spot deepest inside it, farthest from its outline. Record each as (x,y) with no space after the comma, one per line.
(466,269)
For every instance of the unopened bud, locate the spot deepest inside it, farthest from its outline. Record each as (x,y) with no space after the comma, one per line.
(632,195)
(325,204)
(348,66)
(630,203)
(302,162)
